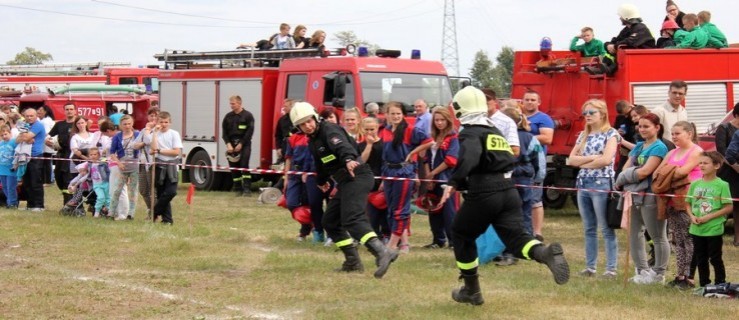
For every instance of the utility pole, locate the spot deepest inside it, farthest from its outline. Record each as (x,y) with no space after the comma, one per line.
(449,52)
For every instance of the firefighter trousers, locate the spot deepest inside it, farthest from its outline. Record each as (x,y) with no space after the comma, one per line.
(344,217)
(502,209)
(241,179)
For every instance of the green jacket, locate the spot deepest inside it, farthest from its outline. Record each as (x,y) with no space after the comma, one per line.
(593,48)
(695,39)
(716,38)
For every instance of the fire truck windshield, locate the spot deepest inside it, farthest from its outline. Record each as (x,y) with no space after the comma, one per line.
(405,87)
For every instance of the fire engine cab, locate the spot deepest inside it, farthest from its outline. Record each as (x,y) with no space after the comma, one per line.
(195,87)
(643,77)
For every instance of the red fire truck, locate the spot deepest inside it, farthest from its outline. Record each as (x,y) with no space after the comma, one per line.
(195,87)
(643,78)
(40,78)
(93,101)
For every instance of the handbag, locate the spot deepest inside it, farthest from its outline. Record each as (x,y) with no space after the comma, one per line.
(613,214)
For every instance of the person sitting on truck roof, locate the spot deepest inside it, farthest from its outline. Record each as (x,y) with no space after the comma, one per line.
(667,34)
(283,40)
(693,37)
(634,35)
(591,47)
(674,13)
(716,38)
(301,41)
(317,40)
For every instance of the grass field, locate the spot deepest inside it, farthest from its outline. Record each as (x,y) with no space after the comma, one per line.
(231,258)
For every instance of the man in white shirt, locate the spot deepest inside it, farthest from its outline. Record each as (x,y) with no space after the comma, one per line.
(501,121)
(672,110)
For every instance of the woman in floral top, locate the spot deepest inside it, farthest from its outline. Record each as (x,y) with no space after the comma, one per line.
(594,154)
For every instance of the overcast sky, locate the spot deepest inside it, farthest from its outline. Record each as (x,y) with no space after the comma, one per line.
(134,30)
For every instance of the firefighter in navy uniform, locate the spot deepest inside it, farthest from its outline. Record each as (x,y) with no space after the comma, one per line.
(335,155)
(238,128)
(485,173)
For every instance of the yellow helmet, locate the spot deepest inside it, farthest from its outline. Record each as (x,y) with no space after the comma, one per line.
(469,100)
(302,112)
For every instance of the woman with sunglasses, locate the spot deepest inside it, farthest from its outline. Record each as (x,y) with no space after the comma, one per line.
(594,154)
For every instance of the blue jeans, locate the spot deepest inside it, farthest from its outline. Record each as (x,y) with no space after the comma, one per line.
(593,206)
(10,183)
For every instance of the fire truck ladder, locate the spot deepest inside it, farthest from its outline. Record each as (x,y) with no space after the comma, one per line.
(58,68)
(181,59)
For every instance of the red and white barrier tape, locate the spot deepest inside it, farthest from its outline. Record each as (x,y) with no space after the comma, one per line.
(292,172)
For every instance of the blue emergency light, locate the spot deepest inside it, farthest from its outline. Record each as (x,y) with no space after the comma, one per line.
(415,54)
(363,52)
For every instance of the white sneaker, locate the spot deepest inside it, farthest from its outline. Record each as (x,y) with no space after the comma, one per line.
(119,218)
(645,277)
(658,279)
(37,209)
(328,242)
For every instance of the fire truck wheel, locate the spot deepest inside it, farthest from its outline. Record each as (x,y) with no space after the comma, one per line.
(202,175)
(552,198)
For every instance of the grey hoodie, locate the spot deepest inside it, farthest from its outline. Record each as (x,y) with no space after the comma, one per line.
(630,181)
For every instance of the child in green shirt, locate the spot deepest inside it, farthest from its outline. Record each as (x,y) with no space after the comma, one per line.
(591,48)
(693,37)
(716,38)
(710,202)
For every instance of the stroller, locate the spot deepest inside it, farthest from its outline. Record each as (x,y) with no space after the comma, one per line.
(75,206)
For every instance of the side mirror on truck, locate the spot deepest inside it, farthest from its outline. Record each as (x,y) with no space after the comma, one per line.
(335,90)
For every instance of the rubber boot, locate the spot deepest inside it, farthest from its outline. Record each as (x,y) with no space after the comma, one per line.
(352,262)
(237,188)
(469,292)
(383,256)
(553,256)
(246,187)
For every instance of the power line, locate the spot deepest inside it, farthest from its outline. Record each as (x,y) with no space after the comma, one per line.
(204,25)
(128,20)
(178,13)
(354,21)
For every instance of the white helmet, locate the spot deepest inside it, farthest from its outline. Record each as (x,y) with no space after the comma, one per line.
(469,100)
(628,11)
(302,112)
(233,157)
(269,195)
